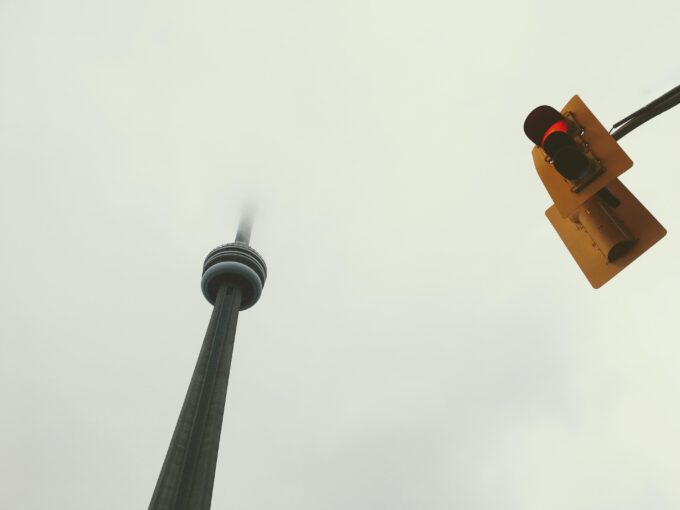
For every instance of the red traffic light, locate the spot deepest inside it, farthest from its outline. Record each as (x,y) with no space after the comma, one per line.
(546,127)
(560,126)
(602,224)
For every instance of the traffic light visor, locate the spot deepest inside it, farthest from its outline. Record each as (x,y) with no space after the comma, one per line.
(543,121)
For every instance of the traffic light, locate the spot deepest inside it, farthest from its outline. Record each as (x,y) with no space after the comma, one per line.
(549,129)
(602,224)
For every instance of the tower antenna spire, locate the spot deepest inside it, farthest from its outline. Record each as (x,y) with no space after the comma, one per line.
(245,226)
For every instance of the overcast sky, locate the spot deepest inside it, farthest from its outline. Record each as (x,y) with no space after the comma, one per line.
(424,339)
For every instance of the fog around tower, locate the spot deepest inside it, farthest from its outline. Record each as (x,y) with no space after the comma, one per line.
(424,339)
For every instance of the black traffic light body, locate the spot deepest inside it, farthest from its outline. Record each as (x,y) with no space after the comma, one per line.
(549,129)
(602,224)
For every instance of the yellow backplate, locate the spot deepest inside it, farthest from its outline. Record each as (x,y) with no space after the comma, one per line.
(644,228)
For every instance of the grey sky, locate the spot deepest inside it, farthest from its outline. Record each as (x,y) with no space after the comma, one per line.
(424,339)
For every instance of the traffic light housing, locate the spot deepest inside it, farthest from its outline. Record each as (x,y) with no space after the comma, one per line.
(602,224)
(549,129)
(605,158)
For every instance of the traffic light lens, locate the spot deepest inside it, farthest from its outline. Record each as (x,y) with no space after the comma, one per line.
(560,126)
(569,161)
(558,141)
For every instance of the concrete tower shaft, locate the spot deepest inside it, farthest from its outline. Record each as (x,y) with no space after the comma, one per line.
(233,277)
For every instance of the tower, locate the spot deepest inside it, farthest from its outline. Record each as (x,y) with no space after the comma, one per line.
(233,277)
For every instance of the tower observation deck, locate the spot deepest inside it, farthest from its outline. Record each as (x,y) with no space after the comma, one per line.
(233,277)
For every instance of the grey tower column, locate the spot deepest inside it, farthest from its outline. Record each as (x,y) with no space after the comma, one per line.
(233,276)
